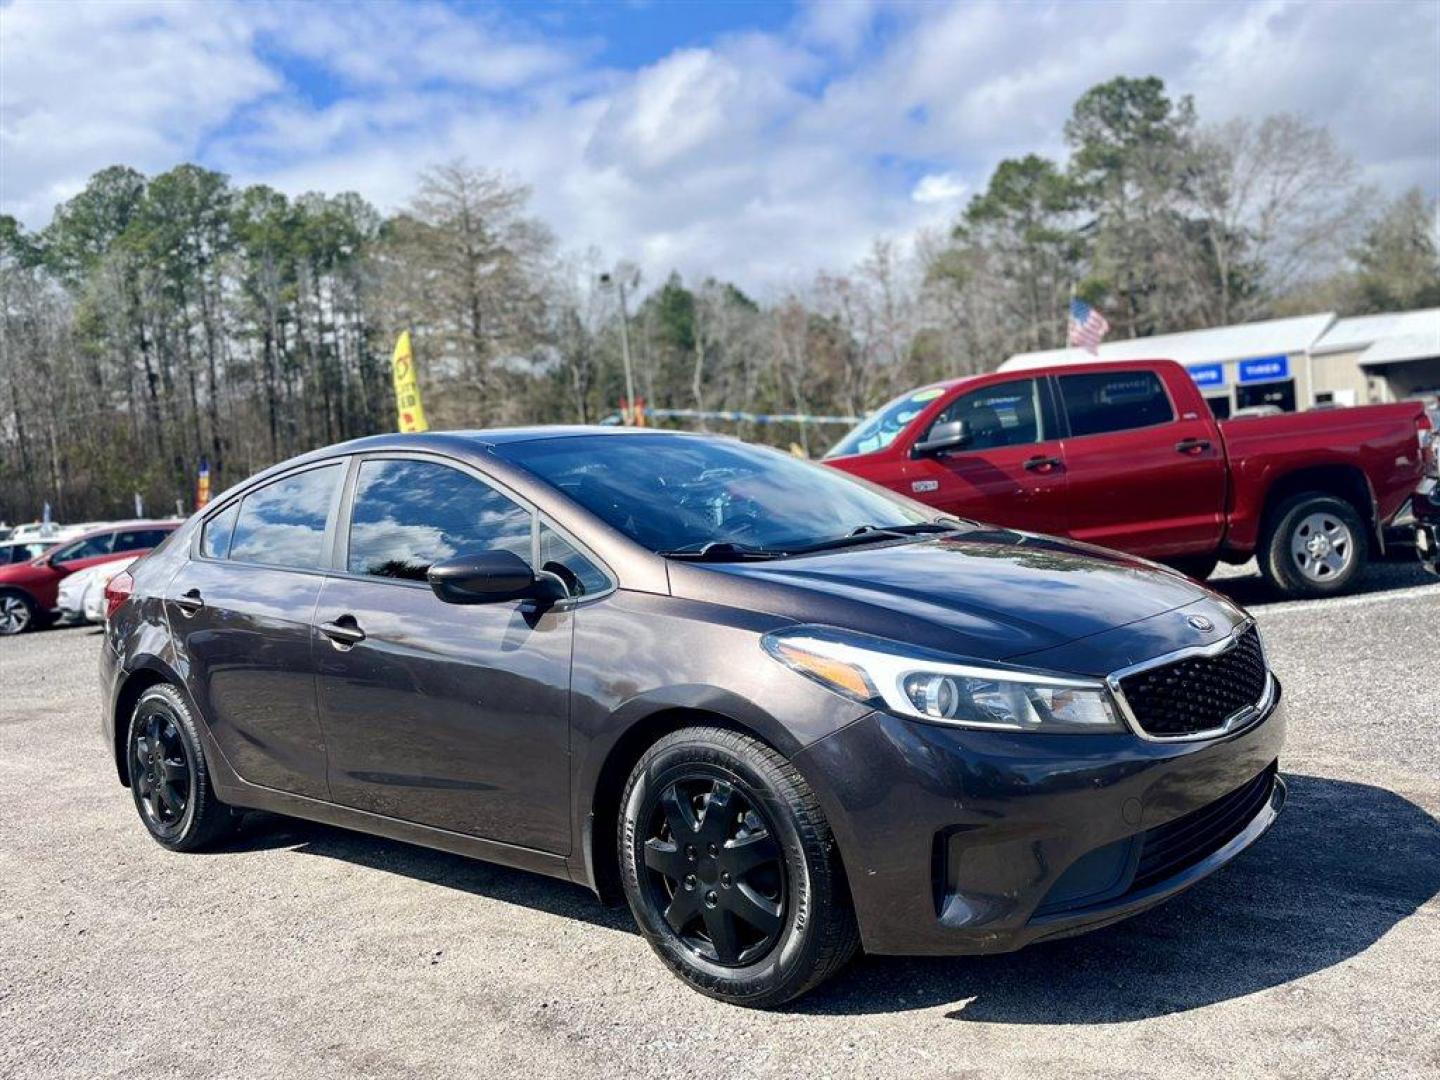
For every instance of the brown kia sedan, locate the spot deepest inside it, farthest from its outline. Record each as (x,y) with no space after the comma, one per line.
(783,714)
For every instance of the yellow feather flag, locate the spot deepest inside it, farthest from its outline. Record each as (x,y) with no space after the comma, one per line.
(407,387)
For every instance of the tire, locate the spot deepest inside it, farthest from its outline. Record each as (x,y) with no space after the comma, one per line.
(18,613)
(1315,545)
(763,852)
(1198,567)
(181,812)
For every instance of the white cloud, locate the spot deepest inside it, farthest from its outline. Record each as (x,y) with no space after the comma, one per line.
(939,188)
(757,156)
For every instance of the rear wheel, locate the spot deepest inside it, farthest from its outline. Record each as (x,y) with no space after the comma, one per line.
(730,869)
(168,775)
(17,613)
(1316,546)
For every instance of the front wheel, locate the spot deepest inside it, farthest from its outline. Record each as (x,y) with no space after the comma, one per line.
(1316,546)
(731,871)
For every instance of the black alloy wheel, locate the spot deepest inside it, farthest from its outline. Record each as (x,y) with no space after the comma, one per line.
(160,770)
(168,775)
(731,870)
(715,870)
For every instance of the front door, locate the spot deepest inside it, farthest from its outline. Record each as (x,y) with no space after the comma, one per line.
(1011,472)
(454,716)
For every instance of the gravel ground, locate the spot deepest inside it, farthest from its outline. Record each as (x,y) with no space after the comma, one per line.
(303,951)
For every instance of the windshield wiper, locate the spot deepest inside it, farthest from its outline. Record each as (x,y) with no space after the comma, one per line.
(869,534)
(722,551)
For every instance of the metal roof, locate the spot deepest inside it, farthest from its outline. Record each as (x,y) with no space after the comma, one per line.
(1364,331)
(1269,338)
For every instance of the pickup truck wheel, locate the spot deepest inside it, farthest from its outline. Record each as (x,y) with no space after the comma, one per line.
(1317,546)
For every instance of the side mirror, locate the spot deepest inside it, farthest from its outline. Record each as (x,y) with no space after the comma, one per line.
(951,435)
(490,577)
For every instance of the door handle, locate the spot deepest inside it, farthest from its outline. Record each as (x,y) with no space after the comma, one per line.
(190,602)
(1042,464)
(343,632)
(1192,446)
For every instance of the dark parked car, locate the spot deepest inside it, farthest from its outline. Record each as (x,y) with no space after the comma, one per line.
(785,714)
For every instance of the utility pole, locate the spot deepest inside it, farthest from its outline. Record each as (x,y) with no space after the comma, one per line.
(617,279)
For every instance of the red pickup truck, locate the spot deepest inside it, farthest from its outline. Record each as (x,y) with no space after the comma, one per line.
(1128,455)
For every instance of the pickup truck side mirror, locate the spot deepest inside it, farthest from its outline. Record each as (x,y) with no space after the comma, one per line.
(491,577)
(950,435)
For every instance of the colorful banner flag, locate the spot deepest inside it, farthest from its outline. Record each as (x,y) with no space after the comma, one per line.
(407,387)
(202,485)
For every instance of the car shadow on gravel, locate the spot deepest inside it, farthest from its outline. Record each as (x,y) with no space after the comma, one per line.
(1344,864)
(264,832)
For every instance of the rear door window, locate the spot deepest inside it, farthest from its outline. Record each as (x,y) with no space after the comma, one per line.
(138,539)
(1114,401)
(411,514)
(283,523)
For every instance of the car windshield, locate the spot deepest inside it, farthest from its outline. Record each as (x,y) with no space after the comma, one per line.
(674,493)
(880,428)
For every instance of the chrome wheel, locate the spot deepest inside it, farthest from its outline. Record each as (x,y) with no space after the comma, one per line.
(1322,546)
(14,615)
(715,870)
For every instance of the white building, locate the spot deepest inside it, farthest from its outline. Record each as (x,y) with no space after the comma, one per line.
(1292,363)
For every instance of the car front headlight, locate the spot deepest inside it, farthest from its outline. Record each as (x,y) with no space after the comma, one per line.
(911,682)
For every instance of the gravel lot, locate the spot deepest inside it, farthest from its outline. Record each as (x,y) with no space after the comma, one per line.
(306,951)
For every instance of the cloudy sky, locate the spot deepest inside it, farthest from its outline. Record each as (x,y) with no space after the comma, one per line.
(757,140)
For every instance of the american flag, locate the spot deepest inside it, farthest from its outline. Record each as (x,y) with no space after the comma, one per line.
(1087,326)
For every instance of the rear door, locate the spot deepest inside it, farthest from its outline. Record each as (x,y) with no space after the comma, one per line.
(454,716)
(1012,471)
(240,612)
(1143,477)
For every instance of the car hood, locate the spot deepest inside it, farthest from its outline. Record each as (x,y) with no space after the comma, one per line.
(989,593)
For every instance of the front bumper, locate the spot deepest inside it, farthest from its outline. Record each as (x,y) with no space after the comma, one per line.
(960,841)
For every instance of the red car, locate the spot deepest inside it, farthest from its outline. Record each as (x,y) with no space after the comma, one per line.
(1128,455)
(28,589)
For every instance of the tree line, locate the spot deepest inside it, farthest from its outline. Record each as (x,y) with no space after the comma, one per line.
(158,321)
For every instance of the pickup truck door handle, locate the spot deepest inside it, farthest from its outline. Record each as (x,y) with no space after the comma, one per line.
(343,632)
(1042,464)
(190,602)
(1192,446)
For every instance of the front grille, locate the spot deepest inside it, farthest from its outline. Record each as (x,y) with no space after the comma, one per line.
(1199,693)
(1179,844)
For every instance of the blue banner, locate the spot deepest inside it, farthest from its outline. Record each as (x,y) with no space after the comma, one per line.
(1265,369)
(1207,374)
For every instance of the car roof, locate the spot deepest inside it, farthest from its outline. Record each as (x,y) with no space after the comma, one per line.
(121,526)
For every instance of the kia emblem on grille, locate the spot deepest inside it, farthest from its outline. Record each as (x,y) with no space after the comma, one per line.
(1201,623)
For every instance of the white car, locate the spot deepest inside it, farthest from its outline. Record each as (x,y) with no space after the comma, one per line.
(82,594)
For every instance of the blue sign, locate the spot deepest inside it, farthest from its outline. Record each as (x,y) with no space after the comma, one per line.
(1206,375)
(1265,369)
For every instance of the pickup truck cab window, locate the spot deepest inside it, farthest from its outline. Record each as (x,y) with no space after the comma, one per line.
(89,548)
(410,514)
(884,425)
(1003,414)
(1119,401)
